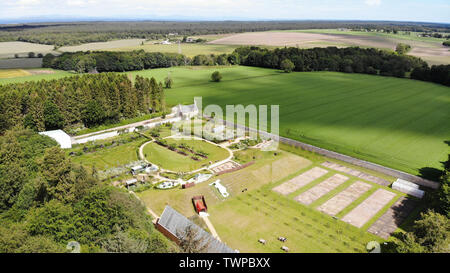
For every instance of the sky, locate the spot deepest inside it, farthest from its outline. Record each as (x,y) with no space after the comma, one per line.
(396,10)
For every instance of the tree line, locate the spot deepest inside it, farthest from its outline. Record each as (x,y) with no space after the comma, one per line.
(47,201)
(348,60)
(61,34)
(104,61)
(437,73)
(88,100)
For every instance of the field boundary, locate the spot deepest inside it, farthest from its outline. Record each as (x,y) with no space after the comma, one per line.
(358,162)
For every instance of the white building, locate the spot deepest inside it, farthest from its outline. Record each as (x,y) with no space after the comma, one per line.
(63,139)
(186,111)
(218,129)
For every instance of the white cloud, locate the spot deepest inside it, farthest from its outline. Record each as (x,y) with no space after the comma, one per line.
(373,2)
(28,2)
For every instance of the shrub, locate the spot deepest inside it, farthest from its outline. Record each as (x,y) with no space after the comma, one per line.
(287,65)
(216,76)
(168,82)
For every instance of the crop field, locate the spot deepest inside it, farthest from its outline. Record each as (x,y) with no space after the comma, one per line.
(399,123)
(429,49)
(103,45)
(23,75)
(189,50)
(171,160)
(13,73)
(8,49)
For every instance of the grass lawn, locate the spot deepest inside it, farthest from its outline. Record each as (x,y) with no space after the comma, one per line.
(255,176)
(173,161)
(264,214)
(399,123)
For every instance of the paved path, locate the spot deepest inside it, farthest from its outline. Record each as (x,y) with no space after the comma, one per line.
(211,227)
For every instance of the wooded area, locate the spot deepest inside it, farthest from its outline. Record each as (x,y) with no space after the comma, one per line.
(88,99)
(47,201)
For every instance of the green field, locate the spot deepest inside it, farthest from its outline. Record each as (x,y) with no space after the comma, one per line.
(399,123)
(172,161)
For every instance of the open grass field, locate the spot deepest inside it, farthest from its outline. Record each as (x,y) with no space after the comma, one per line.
(399,123)
(189,50)
(171,160)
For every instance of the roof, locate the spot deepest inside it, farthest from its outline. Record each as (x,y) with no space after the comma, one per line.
(131,181)
(188,108)
(407,183)
(176,223)
(59,136)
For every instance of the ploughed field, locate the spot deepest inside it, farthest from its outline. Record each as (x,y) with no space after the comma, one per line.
(399,123)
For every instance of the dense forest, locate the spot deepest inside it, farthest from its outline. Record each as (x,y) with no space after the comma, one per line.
(46,201)
(112,61)
(61,34)
(90,99)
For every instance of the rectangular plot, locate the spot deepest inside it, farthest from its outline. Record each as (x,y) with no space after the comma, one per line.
(368,208)
(321,189)
(300,181)
(344,198)
(392,219)
(356,173)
